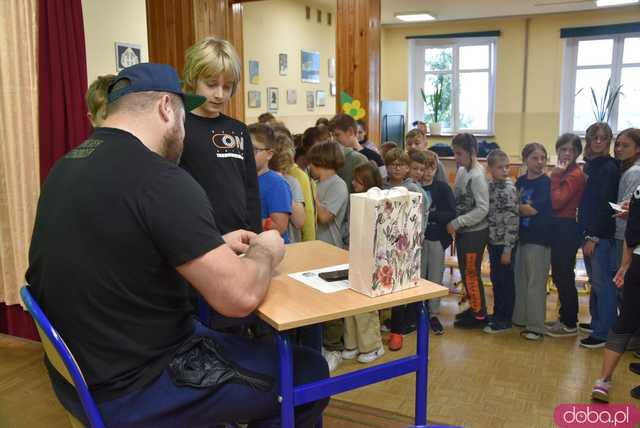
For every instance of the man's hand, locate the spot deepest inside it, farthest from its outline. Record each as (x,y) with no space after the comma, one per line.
(239,240)
(588,247)
(505,259)
(272,242)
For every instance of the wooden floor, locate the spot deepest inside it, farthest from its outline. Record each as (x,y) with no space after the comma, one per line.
(475,380)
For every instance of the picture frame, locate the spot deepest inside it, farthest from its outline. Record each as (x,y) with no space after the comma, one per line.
(321,98)
(292,96)
(254,72)
(332,88)
(311,100)
(272,99)
(331,68)
(283,66)
(309,66)
(127,54)
(254,99)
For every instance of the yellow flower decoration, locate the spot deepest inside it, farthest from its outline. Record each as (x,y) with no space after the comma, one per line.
(354,109)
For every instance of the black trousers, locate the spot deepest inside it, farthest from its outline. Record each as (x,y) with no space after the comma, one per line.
(566,239)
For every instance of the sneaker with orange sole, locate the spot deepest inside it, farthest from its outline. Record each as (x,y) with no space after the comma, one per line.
(395,342)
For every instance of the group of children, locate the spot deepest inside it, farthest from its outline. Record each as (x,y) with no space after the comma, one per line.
(262,177)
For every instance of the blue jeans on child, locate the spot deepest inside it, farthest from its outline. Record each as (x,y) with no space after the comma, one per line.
(601,268)
(163,404)
(502,280)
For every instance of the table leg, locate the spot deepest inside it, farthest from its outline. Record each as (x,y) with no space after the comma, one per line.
(286,380)
(422,351)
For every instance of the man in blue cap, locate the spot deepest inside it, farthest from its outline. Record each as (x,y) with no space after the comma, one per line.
(119,228)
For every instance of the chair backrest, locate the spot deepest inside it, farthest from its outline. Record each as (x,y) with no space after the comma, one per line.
(61,358)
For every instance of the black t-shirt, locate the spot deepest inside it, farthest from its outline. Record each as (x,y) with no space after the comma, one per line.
(114,220)
(218,153)
(372,156)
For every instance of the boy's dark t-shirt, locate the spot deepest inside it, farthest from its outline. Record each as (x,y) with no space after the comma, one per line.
(372,156)
(537,193)
(114,220)
(441,212)
(218,153)
(595,216)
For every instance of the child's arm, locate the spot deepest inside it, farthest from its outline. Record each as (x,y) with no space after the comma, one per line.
(324,215)
(336,197)
(480,190)
(445,211)
(279,222)
(511,224)
(298,215)
(526,210)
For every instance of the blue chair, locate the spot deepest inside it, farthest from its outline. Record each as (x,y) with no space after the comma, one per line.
(62,360)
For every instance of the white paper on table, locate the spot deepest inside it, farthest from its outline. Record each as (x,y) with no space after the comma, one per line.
(312,279)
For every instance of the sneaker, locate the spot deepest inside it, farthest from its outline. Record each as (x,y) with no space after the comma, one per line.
(349,354)
(635,392)
(436,326)
(551,323)
(371,356)
(560,330)
(585,327)
(334,358)
(395,342)
(496,327)
(592,343)
(634,367)
(600,391)
(470,322)
(636,354)
(531,335)
(467,313)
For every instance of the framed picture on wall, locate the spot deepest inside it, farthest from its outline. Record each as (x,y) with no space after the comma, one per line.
(311,100)
(310,66)
(332,68)
(127,54)
(283,67)
(332,88)
(292,96)
(272,99)
(254,99)
(254,72)
(321,98)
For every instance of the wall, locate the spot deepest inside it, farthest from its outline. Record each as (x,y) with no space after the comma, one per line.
(107,22)
(272,27)
(540,120)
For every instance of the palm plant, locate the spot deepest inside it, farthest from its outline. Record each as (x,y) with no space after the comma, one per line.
(602,108)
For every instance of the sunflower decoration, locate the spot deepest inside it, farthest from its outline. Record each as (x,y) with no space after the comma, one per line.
(351,107)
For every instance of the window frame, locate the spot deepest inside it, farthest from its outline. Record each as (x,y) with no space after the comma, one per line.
(570,72)
(417,75)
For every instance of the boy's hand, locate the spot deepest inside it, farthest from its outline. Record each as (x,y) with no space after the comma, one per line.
(505,259)
(450,229)
(561,166)
(588,247)
(618,280)
(624,214)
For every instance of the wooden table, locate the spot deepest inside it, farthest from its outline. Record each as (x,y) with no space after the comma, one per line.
(290,304)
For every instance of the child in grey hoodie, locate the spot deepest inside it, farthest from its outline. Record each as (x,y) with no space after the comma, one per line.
(470,227)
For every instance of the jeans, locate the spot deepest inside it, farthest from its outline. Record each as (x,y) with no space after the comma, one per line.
(601,268)
(163,404)
(502,279)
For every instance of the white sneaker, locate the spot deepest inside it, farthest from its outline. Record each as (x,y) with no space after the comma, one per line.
(334,358)
(349,354)
(371,356)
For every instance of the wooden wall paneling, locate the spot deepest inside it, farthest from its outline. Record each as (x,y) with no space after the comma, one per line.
(175,25)
(358,57)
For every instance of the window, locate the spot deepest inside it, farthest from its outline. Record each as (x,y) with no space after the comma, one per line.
(591,62)
(465,70)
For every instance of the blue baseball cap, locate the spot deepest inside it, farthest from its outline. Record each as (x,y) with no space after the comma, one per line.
(148,76)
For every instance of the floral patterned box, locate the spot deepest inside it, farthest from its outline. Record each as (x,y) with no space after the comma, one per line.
(385,229)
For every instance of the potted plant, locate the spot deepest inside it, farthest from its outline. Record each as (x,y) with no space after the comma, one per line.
(435,102)
(602,108)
